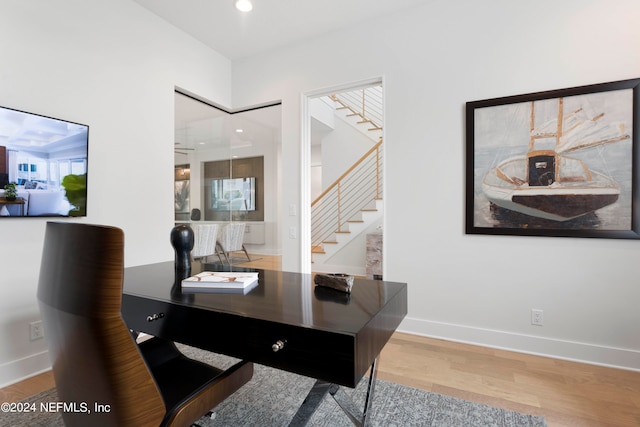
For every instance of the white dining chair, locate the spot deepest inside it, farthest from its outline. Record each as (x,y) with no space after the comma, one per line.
(205,242)
(231,240)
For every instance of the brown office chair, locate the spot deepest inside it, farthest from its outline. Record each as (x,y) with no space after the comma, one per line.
(96,360)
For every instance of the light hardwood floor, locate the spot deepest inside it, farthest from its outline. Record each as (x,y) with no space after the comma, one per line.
(567,394)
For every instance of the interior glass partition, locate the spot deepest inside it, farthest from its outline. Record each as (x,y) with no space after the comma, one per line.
(226,168)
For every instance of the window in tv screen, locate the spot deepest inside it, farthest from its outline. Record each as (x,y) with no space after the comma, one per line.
(233,194)
(45,160)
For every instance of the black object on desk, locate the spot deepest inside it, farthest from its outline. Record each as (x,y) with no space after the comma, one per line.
(182,240)
(281,323)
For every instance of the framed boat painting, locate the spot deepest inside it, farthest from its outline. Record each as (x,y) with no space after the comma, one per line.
(555,163)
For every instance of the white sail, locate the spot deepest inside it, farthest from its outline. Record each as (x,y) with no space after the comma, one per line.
(580,131)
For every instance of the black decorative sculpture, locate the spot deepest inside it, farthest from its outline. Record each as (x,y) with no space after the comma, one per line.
(182,241)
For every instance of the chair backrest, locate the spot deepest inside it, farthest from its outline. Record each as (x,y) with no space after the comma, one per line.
(232,236)
(94,357)
(205,236)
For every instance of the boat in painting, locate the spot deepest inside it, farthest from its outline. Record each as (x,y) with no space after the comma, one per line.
(547,182)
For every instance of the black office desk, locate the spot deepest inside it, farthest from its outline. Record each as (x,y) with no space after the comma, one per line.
(327,335)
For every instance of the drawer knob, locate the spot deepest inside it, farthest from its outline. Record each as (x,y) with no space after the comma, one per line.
(278,345)
(154,316)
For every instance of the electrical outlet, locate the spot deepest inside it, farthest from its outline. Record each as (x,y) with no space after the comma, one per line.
(537,317)
(36,331)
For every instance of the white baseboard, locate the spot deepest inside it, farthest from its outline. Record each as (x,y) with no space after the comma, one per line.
(21,369)
(549,347)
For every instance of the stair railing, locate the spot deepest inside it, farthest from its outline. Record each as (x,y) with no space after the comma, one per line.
(352,192)
(365,103)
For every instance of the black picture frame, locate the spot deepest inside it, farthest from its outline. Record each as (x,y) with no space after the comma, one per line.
(527,176)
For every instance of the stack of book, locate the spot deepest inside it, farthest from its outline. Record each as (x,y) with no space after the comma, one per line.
(221,282)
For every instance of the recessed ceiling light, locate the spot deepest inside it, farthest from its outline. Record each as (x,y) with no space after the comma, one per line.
(244,5)
(239,130)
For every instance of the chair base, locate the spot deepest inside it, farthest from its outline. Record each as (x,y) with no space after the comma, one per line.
(220,251)
(180,379)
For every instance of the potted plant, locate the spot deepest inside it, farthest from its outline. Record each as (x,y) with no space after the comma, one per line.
(10,191)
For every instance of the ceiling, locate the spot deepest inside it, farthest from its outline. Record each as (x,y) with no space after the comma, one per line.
(271,24)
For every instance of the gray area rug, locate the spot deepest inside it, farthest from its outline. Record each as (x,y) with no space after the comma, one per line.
(272,397)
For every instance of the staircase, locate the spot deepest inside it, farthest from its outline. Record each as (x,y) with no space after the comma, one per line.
(322,255)
(353,203)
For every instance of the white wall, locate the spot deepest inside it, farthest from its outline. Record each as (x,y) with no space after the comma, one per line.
(114,66)
(434,59)
(341,148)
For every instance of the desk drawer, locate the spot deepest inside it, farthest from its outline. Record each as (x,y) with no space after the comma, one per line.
(329,356)
(318,354)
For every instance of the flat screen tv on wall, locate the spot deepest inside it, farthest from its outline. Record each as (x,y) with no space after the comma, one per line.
(43,166)
(233,194)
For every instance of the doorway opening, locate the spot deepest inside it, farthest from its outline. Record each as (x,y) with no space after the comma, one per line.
(344,166)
